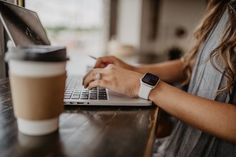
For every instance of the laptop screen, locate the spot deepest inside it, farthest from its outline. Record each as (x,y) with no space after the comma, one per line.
(22,25)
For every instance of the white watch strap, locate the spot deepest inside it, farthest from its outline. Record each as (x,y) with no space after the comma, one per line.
(144,90)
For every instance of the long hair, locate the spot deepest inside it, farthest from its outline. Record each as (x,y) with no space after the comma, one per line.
(226,51)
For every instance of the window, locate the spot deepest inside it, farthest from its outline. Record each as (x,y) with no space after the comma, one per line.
(77,24)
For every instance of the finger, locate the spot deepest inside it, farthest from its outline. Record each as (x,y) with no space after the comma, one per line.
(85,76)
(88,78)
(104,61)
(91,76)
(96,83)
(98,64)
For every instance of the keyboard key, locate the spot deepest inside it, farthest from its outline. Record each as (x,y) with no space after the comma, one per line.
(66,97)
(102,94)
(67,93)
(93,94)
(85,94)
(84,98)
(94,88)
(93,98)
(76,93)
(75,97)
(102,98)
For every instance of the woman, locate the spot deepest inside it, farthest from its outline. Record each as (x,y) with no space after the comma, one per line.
(206,113)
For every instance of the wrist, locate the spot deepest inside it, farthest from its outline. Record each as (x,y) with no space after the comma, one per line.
(156,91)
(132,68)
(138,69)
(147,83)
(137,85)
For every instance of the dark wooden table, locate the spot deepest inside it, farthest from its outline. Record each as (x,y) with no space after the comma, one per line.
(84,132)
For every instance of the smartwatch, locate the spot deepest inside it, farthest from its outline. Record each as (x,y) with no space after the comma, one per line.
(147,83)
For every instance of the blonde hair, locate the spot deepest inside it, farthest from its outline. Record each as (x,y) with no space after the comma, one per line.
(226,51)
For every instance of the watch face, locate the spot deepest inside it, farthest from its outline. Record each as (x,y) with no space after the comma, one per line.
(150,79)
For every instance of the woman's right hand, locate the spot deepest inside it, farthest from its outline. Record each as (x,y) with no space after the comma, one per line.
(102,62)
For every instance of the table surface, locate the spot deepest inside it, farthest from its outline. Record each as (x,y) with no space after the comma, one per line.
(83,132)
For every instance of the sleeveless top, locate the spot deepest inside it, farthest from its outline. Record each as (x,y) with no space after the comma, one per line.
(186,141)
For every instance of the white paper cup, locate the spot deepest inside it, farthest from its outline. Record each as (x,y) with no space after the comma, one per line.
(34,70)
(37,79)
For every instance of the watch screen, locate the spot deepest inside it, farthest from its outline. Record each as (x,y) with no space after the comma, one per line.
(150,79)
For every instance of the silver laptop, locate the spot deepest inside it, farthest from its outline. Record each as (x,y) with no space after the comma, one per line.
(24,28)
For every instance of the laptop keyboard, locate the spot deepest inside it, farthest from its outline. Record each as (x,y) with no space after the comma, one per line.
(75,91)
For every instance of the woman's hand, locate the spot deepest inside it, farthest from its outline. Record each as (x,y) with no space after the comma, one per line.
(102,62)
(115,78)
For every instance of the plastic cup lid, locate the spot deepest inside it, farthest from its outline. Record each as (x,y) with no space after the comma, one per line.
(40,53)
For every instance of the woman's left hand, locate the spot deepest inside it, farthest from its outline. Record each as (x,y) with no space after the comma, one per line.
(115,78)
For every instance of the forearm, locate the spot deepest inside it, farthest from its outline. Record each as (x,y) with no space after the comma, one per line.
(210,116)
(169,71)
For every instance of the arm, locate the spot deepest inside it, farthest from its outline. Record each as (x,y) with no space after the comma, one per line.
(214,117)
(169,71)
(210,116)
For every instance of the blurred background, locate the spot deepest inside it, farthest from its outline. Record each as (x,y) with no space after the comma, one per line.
(138,31)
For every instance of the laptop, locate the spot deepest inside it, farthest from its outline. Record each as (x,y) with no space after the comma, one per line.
(24,28)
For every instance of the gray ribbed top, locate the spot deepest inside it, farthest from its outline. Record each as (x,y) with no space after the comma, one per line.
(186,141)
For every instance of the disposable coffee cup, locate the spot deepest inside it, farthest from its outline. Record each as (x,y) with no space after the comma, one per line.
(37,79)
